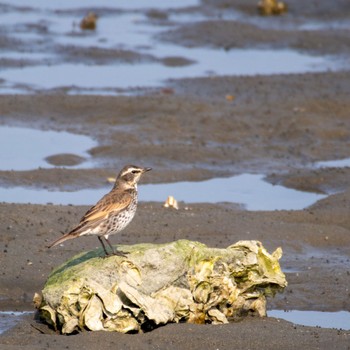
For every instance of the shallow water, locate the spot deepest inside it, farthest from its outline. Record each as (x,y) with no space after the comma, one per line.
(26,149)
(337,163)
(249,190)
(123,4)
(136,32)
(339,319)
(9,318)
(129,76)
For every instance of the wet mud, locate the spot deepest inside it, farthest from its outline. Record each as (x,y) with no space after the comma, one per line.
(194,129)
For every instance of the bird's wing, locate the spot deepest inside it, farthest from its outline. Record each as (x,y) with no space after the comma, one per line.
(107,205)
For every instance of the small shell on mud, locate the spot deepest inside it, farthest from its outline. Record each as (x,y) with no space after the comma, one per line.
(271,7)
(171,202)
(89,21)
(111,179)
(229,98)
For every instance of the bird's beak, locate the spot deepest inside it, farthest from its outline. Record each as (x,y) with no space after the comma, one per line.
(146,169)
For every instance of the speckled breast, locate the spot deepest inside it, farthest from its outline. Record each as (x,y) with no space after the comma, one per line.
(118,222)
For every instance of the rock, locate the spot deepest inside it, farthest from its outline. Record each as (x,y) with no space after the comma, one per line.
(156,284)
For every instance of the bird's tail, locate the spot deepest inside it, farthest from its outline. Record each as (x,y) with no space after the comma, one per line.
(61,239)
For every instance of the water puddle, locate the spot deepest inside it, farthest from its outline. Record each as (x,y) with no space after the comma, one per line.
(150,75)
(249,190)
(317,25)
(339,319)
(9,318)
(25,149)
(120,4)
(282,23)
(136,33)
(338,163)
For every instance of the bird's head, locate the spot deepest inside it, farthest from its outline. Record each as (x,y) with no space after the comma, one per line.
(130,175)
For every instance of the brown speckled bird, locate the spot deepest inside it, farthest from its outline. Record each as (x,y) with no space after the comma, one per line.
(113,212)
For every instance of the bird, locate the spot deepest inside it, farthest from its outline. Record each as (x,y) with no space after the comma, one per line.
(112,213)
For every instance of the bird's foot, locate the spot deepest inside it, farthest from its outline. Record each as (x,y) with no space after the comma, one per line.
(120,253)
(115,253)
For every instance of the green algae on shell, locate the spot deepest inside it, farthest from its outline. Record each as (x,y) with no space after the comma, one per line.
(179,281)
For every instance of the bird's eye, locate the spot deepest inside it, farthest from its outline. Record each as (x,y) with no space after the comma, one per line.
(134,171)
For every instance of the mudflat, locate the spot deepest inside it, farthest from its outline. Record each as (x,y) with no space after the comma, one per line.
(191,130)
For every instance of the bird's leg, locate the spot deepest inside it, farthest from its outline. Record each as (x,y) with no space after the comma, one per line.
(115,251)
(103,245)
